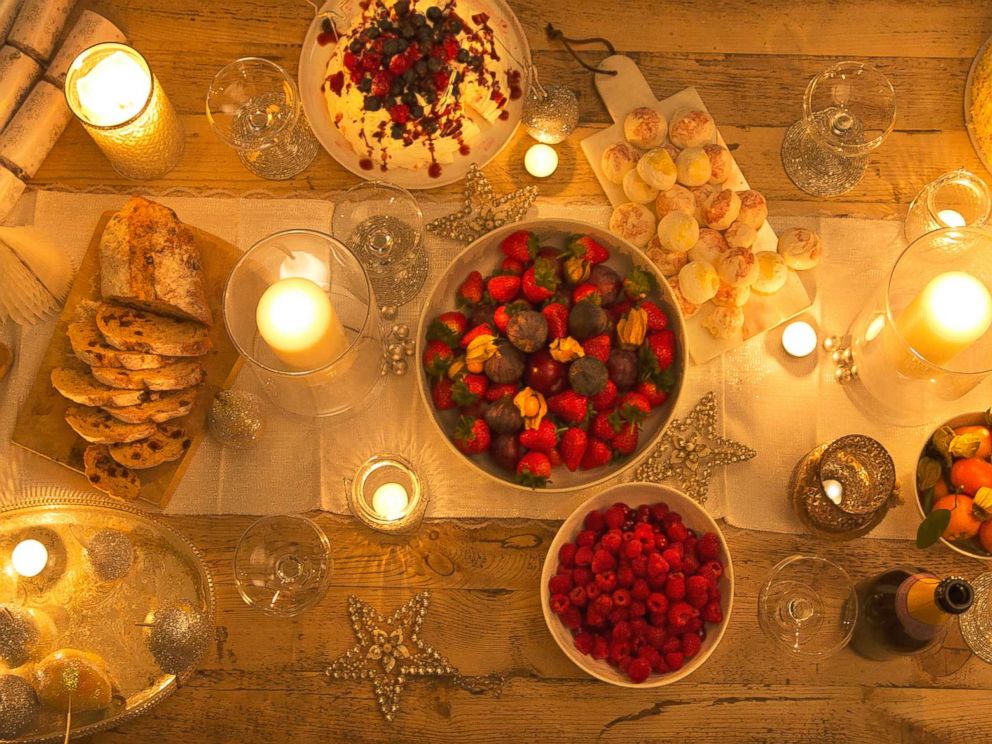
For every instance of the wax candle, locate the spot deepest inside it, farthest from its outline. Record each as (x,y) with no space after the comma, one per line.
(799,339)
(952,312)
(541,161)
(296,319)
(29,558)
(951,218)
(390,501)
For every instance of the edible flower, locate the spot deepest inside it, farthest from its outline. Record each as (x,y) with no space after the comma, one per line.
(479,349)
(632,328)
(566,349)
(532,407)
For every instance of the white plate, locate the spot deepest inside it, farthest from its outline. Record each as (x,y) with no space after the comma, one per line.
(985,157)
(486,145)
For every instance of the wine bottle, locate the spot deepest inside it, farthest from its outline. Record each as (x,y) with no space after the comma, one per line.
(905,611)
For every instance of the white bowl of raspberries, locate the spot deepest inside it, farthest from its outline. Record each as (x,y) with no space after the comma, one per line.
(552,354)
(638,586)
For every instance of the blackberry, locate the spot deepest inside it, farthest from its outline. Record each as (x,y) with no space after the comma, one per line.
(416,110)
(434,64)
(356,46)
(424,36)
(409,98)
(396,89)
(373,103)
(418,21)
(407,31)
(396,131)
(365,84)
(420,68)
(409,76)
(372,32)
(434,14)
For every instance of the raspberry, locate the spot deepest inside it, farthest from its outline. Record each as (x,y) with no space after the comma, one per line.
(614,517)
(657,603)
(675,586)
(695,585)
(600,648)
(675,660)
(639,670)
(577,596)
(638,627)
(584,642)
(712,613)
(643,513)
(657,565)
(658,619)
(594,618)
(625,576)
(640,590)
(559,603)
(621,598)
(572,618)
(638,608)
(715,567)
(621,632)
(560,584)
(695,625)
(679,615)
(592,591)
(639,565)
(671,644)
(708,547)
(602,560)
(624,663)
(594,521)
(690,564)
(603,604)
(657,581)
(677,532)
(691,644)
(611,541)
(671,518)
(583,556)
(672,558)
(658,511)
(566,554)
(632,548)
(660,540)
(586,538)
(624,507)
(618,651)
(606,581)
(618,615)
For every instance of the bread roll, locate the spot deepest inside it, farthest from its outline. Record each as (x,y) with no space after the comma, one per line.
(618,160)
(658,169)
(738,267)
(633,222)
(637,189)
(645,128)
(701,194)
(724,322)
(772,272)
(691,128)
(721,163)
(669,263)
(721,209)
(678,232)
(754,209)
(740,235)
(699,282)
(693,167)
(801,248)
(728,296)
(709,247)
(688,308)
(676,199)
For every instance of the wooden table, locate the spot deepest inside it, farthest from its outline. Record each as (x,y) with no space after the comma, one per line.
(750,60)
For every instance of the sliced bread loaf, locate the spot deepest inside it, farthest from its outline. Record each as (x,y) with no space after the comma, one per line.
(98,426)
(138,330)
(81,387)
(90,347)
(176,376)
(168,443)
(109,476)
(159,408)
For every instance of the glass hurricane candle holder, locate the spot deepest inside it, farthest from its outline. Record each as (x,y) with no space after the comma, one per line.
(923,338)
(300,309)
(956,199)
(111,90)
(387,495)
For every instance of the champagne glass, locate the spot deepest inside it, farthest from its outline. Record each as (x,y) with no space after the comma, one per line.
(282,565)
(254,106)
(383,226)
(848,111)
(808,606)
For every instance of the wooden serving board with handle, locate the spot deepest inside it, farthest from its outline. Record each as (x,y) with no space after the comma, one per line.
(40,425)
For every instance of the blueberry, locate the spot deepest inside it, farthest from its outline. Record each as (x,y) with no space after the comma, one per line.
(434,64)
(453,25)
(424,36)
(373,103)
(396,131)
(416,110)
(430,126)
(409,98)
(386,25)
(328,28)
(396,88)
(418,21)
(430,97)
(409,76)
(420,68)
(404,43)
(434,14)
(390,102)
(407,31)
(475,60)
(462,56)
(365,84)
(372,32)
(356,46)
(402,7)
(390,46)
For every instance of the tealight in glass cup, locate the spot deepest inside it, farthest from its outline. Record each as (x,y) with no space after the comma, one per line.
(956,199)
(387,495)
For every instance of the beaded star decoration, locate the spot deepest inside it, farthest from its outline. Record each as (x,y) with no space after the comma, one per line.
(389,651)
(690,449)
(482,212)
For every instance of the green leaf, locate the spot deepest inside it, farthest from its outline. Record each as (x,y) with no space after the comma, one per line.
(932,527)
(928,472)
(666,380)
(928,500)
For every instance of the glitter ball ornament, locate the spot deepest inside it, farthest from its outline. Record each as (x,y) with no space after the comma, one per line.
(236,418)
(550,113)
(177,636)
(18,705)
(111,554)
(25,635)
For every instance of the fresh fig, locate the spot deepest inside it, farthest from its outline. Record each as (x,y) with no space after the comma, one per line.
(506,451)
(587,319)
(528,330)
(503,417)
(481,314)
(587,375)
(506,365)
(622,368)
(608,283)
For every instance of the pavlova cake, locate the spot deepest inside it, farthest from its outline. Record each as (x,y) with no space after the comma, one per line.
(411,84)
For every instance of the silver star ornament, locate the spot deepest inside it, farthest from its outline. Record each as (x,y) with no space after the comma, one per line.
(482,211)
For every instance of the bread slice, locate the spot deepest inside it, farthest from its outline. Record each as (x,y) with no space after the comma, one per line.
(159,408)
(109,476)
(176,376)
(148,259)
(90,347)
(165,445)
(137,330)
(99,427)
(81,387)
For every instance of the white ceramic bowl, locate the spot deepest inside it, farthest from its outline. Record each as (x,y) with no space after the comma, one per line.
(484,256)
(514,51)
(694,517)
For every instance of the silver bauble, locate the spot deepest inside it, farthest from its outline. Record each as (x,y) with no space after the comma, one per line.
(236,418)
(551,113)
(111,554)
(177,636)
(18,705)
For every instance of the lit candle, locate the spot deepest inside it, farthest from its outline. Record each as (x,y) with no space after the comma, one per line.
(541,161)
(951,218)
(799,339)
(298,322)
(952,312)
(29,558)
(834,490)
(111,90)
(390,501)
(307,266)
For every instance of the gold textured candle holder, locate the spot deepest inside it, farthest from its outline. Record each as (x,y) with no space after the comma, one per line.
(382,470)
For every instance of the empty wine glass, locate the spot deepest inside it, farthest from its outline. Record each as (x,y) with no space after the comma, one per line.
(808,606)
(383,226)
(254,106)
(282,565)
(848,111)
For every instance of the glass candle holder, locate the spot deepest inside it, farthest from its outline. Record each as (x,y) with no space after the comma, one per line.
(300,309)
(111,89)
(923,339)
(387,495)
(956,199)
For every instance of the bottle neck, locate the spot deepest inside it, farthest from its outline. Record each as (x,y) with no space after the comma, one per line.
(934,601)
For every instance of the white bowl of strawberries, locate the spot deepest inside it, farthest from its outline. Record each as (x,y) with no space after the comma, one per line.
(552,354)
(638,586)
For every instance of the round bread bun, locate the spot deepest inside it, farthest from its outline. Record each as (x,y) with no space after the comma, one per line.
(693,167)
(688,308)
(740,235)
(669,263)
(699,282)
(721,209)
(754,208)
(691,128)
(710,246)
(801,248)
(728,296)
(645,128)
(676,199)
(772,272)
(637,189)
(26,635)
(721,162)
(633,222)
(701,194)
(618,160)
(678,232)
(738,267)
(657,168)
(724,322)
(79,676)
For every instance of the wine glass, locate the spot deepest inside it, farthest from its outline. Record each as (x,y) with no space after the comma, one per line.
(808,606)
(383,226)
(254,106)
(848,111)
(282,565)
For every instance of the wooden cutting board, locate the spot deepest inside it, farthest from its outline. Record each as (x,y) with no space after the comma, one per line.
(40,425)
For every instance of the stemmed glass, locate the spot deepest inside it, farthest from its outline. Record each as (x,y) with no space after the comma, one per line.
(282,565)
(254,106)
(808,606)
(848,111)
(383,226)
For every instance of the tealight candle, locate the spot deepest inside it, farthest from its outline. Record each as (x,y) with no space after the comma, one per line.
(390,501)
(29,558)
(296,319)
(799,339)
(834,490)
(387,495)
(541,160)
(111,89)
(951,218)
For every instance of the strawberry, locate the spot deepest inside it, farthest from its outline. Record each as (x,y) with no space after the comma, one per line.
(542,439)
(588,249)
(633,407)
(606,397)
(447,327)
(503,288)
(557,316)
(469,389)
(598,347)
(502,314)
(597,454)
(441,394)
(657,355)
(399,64)
(625,441)
(437,358)
(479,330)
(639,283)
(602,425)
(512,266)
(521,245)
(496,392)
(573,446)
(654,395)
(470,291)
(554,457)
(657,320)
(540,281)
(569,406)
(588,292)
(534,469)
(471,435)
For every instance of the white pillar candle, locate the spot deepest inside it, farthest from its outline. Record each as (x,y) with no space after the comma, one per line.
(541,161)
(296,319)
(29,558)
(390,501)
(799,339)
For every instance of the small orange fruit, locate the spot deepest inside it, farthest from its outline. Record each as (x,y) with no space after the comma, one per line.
(941,489)
(964,523)
(985,535)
